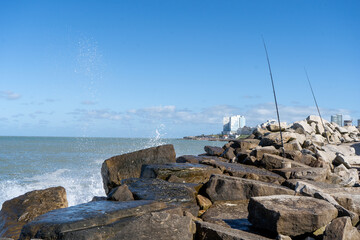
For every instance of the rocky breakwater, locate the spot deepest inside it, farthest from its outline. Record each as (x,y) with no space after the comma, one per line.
(245,190)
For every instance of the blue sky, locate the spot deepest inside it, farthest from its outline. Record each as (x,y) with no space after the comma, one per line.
(129,68)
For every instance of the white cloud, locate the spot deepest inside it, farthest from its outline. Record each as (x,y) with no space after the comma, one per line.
(9,95)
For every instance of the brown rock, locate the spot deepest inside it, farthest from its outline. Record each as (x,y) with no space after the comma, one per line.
(290,215)
(314,174)
(121,193)
(341,229)
(15,213)
(270,161)
(214,151)
(128,165)
(222,187)
(203,202)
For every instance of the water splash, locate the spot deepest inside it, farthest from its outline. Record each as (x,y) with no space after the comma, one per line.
(158,139)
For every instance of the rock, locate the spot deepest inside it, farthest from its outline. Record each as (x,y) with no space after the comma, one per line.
(314,119)
(273,139)
(318,139)
(214,151)
(229,153)
(341,130)
(15,213)
(274,127)
(290,215)
(314,174)
(98,198)
(248,144)
(348,197)
(293,145)
(245,171)
(121,193)
(344,177)
(123,220)
(341,229)
(341,159)
(270,161)
(231,214)
(196,159)
(210,231)
(222,187)
(160,190)
(128,165)
(259,151)
(307,158)
(184,172)
(203,202)
(283,237)
(303,127)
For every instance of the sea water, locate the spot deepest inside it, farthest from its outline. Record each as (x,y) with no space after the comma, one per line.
(32,163)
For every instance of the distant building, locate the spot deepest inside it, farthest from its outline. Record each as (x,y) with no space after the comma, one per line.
(338,119)
(347,122)
(232,124)
(358,123)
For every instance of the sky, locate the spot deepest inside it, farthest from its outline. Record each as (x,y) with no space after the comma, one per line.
(175,68)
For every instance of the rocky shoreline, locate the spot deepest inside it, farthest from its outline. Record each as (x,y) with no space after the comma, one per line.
(245,190)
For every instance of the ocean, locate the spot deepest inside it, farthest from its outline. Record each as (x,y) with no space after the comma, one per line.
(31,163)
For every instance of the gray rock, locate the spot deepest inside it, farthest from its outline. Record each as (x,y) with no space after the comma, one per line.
(160,190)
(214,151)
(341,229)
(290,215)
(15,213)
(259,151)
(245,171)
(112,220)
(314,174)
(222,187)
(303,127)
(185,172)
(128,165)
(121,193)
(210,231)
(196,159)
(270,161)
(344,177)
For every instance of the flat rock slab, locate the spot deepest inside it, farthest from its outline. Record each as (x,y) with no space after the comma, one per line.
(227,188)
(291,183)
(245,171)
(290,215)
(66,223)
(231,214)
(197,159)
(270,161)
(15,213)
(184,172)
(210,231)
(314,174)
(114,169)
(160,190)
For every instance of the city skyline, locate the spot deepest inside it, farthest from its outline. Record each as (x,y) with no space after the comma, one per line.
(174,68)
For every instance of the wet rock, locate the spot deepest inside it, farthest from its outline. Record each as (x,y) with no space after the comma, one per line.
(341,229)
(221,187)
(123,220)
(210,231)
(245,171)
(184,172)
(128,165)
(270,161)
(290,215)
(314,174)
(15,213)
(214,151)
(160,190)
(121,193)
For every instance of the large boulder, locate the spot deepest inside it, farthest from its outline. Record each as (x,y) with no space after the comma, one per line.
(290,215)
(271,161)
(128,165)
(112,220)
(184,172)
(222,187)
(15,213)
(303,127)
(274,139)
(210,231)
(214,151)
(341,229)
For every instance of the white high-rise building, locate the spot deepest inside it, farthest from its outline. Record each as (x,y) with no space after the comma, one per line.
(232,124)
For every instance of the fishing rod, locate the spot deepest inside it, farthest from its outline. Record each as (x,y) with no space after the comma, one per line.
(322,122)
(273,87)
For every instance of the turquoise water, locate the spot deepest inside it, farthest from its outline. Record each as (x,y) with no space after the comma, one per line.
(29,163)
